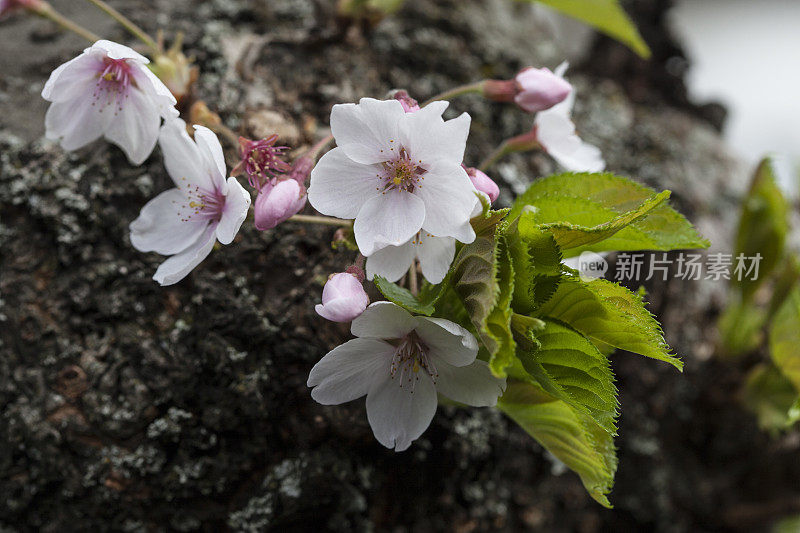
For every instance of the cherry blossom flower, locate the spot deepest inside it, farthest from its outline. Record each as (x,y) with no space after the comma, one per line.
(400,362)
(107,91)
(186,221)
(260,160)
(395,173)
(343,298)
(555,132)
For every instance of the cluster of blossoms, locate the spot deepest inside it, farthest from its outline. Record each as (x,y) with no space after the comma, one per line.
(397,172)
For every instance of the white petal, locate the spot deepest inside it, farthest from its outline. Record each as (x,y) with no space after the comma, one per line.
(348,371)
(340,186)
(447,340)
(398,416)
(179,265)
(383,320)
(117,51)
(161,95)
(76,123)
(237,204)
(391,262)
(389,219)
(368,132)
(134,127)
(74,79)
(211,150)
(556,133)
(182,157)
(449,197)
(435,255)
(429,138)
(160,226)
(561,69)
(472,384)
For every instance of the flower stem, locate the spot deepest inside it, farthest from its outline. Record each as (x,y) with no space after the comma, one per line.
(315,219)
(476,87)
(499,153)
(134,30)
(413,284)
(45,10)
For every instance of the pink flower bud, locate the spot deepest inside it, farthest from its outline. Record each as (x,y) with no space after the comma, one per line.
(483,183)
(409,104)
(540,89)
(276,203)
(343,298)
(7,7)
(261,160)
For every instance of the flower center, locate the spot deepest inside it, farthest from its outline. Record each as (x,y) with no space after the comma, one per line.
(410,357)
(401,173)
(200,203)
(112,84)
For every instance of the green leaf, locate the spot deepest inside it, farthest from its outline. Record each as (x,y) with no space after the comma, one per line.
(771,397)
(740,327)
(537,264)
(607,16)
(571,369)
(607,313)
(574,438)
(483,278)
(763,226)
(583,205)
(421,305)
(784,338)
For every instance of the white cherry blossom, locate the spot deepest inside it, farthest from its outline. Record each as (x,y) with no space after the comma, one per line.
(107,91)
(435,254)
(400,362)
(395,173)
(555,131)
(186,221)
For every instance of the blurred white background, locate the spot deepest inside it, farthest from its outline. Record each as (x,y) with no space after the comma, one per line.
(746,55)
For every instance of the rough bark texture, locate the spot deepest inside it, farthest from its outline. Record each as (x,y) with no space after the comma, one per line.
(129,407)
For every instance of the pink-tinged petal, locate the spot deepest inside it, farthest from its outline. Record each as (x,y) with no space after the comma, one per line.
(182,157)
(540,89)
(117,51)
(397,415)
(162,225)
(368,132)
(76,123)
(472,384)
(389,219)
(435,255)
(449,197)
(211,150)
(391,262)
(74,79)
(237,204)
(348,371)
(179,265)
(484,184)
(339,186)
(135,126)
(429,138)
(447,340)
(275,204)
(383,320)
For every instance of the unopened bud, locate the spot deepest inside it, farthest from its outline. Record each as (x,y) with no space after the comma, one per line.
(8,7)
(484,183)
(539,89)
(409,104)
(175,70)
(343,298)
(276,203)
